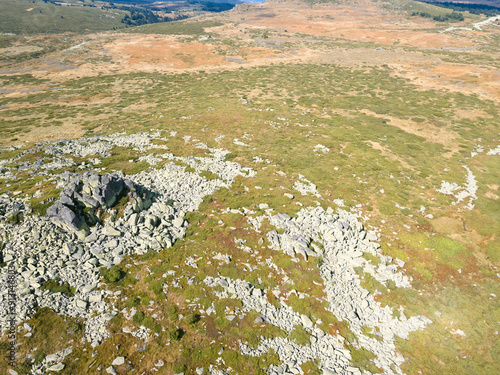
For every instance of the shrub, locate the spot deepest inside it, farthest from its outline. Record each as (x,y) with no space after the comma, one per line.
(209,354)
(318,261)
(172,312)
(157,328)
(54,286)
(15,219)
(24,367)
(138,317)
(230,356)
(148,322)
(73,327)
(133,302)
(362,359)
(39,356)
(192,318)
(178,368)
(113,274)
(299,335)
(196,354)
(157,288)
(176,334)
(186,353)
(150,254)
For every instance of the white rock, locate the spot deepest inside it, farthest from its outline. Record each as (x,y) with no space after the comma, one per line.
(178,222)
(95,298)
(58,367)
(257,292)
(87,289)
(306,321)
(118,361)
(109,231)
(80,303)
(67,249)
(132,221)
(51,358)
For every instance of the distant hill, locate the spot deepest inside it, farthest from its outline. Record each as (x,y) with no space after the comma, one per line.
(157,3)
(36,16)
(83,16)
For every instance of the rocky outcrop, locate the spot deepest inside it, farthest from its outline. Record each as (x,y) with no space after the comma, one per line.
(75,241)
(85,196)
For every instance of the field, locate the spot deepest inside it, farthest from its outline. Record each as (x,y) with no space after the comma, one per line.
(377,108)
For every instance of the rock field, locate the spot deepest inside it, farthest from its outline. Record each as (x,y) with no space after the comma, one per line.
(341,241)
(82,233)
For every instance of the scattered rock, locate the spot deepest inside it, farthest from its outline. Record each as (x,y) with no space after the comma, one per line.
(118,361)
(110,231)
(306,321)
(58,367)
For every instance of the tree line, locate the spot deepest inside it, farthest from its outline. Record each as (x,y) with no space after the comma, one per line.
(455,16)
(488,10)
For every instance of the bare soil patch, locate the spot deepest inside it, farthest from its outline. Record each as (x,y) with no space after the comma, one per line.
(427,130)
(480,80)
(49,133)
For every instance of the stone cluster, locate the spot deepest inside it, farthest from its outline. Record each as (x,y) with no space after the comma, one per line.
(329,349)
(74,242)
(52,362)
(342,242)
(83,198)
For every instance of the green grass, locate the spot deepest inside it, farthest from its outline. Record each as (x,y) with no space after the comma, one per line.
(49,331)
(55,286)
(299,336)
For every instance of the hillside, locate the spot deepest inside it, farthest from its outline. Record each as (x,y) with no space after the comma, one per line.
(29,17)
(37,16)
(291,187)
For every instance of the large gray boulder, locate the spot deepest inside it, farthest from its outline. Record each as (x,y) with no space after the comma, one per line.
(79,200)
(67,218)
